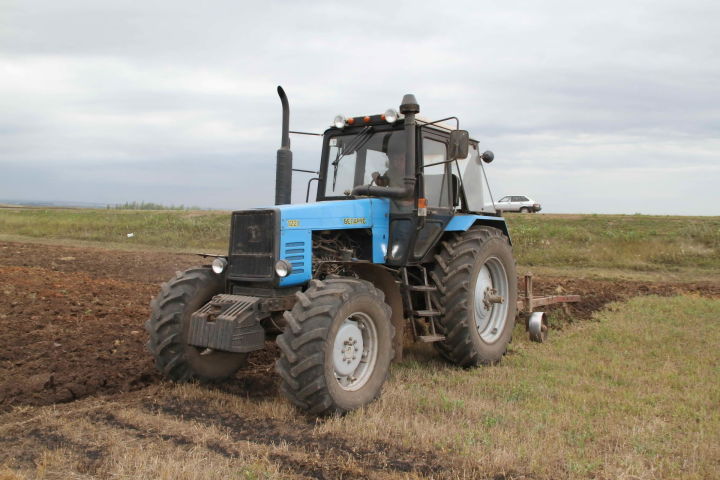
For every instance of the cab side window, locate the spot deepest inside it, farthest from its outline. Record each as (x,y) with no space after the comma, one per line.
(436,177)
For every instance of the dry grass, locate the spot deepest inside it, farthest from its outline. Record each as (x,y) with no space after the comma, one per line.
(675,275)
(615,243)
(634,394)
(641,243)
(196,230)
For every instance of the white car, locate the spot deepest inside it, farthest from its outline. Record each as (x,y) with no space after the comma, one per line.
(517,203)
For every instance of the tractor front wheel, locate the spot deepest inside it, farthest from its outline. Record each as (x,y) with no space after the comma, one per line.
(476,279)
(169,324)
(337,346)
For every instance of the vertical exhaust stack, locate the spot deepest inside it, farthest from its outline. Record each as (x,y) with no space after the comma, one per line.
(410,107)
(283,169)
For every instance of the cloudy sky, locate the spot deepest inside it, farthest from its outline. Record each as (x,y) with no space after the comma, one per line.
(604,107)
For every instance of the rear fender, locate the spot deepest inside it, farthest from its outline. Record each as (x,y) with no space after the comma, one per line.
(461,223)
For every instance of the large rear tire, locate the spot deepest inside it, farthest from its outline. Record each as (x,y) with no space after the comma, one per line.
(169,323)
(477,289)
(336,350)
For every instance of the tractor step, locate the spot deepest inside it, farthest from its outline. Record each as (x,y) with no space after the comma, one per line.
(431,338)
(422,288)
(426,313)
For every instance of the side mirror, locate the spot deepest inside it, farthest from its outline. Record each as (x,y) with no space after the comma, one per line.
(459,142)
(488,156)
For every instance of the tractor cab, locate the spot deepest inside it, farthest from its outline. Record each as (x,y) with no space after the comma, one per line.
(430,173)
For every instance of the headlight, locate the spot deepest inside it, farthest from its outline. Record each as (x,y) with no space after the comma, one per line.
(339,121)
(218,265)
(283,268)
(391,115)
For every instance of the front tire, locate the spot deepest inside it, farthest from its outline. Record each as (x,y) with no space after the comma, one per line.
(477,288)
(169,324)
(524,210)
(336,350)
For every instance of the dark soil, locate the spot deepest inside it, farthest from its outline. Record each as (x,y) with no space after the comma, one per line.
(598,293)
(72,323)
(72,320)
(135,267)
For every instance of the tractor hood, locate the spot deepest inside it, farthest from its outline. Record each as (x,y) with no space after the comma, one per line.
(334,215)
(298,222)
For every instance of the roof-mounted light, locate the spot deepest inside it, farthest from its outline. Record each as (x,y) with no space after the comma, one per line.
(339,121)
(391,115)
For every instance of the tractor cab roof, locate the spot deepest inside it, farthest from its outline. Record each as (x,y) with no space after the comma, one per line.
(381,119)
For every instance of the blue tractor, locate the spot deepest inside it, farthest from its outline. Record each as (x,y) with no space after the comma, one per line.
(398,247)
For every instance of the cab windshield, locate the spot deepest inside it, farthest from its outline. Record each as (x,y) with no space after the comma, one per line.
(365,158)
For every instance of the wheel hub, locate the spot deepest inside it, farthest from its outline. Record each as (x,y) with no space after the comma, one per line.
(355,351)
(348,348)
(491,289)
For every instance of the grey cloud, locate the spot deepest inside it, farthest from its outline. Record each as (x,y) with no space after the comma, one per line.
(119,94)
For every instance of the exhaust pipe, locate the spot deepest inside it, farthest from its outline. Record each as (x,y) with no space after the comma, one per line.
(283,168)
(409,108)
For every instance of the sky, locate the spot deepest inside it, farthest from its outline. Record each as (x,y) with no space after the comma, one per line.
(589,107)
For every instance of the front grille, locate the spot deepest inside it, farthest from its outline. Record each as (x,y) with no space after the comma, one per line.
(252,245)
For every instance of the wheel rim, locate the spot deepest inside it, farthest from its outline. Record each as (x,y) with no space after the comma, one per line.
(355,351)
(491,295)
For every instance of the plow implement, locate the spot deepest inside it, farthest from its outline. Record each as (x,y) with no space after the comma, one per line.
(537,324)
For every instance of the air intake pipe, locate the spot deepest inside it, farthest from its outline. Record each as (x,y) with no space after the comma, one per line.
(283,168)
(409,108)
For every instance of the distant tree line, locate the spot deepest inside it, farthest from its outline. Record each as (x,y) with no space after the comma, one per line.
(149,206)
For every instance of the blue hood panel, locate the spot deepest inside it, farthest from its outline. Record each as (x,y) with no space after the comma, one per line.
(297,222)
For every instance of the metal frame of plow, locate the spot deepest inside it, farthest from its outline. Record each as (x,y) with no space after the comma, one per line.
(527,303)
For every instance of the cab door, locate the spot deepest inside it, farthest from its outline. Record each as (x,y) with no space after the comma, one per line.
(503,204)
(517,203)
(438,190)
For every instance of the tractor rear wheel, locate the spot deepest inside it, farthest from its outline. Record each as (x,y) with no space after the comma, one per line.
(169,324)
(477,288)
(337,346)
